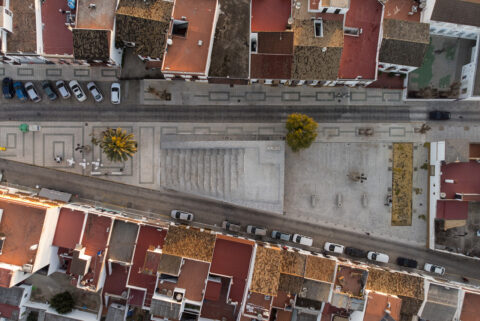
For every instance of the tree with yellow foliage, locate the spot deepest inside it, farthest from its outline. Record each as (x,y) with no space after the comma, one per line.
(117,144)
(301,131)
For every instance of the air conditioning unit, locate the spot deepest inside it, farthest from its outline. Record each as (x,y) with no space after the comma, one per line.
(27,268)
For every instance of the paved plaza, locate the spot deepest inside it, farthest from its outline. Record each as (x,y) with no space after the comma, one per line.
(320,171)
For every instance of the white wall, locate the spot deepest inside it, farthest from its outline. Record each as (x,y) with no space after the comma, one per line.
(437,155)
(453,30)
(44,251)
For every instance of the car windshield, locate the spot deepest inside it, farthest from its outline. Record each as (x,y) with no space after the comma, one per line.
(374,256)
(432,269)
(331,247)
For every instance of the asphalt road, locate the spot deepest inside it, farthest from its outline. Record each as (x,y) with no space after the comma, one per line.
(465,111)
(158,204)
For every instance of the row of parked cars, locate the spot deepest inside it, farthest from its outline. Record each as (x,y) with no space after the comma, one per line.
(380,257)
(28,91)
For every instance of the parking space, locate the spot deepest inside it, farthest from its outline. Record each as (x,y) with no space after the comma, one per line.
(346,185)
(129,94)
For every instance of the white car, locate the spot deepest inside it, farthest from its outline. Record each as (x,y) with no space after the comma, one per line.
(96,94)
(434,268)
(184,216)
(62,89)
(115,93)
(231,226)
(32,92)
(379,257)
(335,248)
(300,239)
(77,90)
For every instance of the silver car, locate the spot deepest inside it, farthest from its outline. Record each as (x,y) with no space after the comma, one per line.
(77,90)
(32,92)
(96,94)
(115,93)
(231,226)
(62,89)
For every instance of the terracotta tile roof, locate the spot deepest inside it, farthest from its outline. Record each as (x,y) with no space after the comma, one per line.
(293,263)
(158,10)
(190,243)
(231,42)
(395,283)
(305,36)
(351,280)
(404,42)
(377,304)
(320,269)
(306,64)
(193,277)
(290,283)
(271,66)
(169,264)
(5,277)
(9,312)
(266,273)
(90,44)
(471,303)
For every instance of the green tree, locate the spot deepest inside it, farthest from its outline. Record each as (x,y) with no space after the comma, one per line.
(301,131)
(117,144)
(62,302)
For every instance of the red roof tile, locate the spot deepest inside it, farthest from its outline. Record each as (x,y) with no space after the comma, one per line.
(271,66)
(452,210)
(270,15)
(6,310)
(136,297)
(231,257)
(116,282)
(5,277)
(360,53)
(192,279)
(148,236)
(69,228)
(213,291)
(22,226)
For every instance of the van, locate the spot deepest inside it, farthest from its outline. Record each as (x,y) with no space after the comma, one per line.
(255,230)
(231,226)
(379,257)
(304,240)
(281,236)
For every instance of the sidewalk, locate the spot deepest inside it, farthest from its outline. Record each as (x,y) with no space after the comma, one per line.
(195,93)
(56,72)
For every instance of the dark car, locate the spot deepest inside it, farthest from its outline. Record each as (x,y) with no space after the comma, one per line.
(440,115)
(49,90)
(354,252)
(7,88)
(402,261)
(20,91)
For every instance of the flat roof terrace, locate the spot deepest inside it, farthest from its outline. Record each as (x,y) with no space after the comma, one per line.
(193,279)
(360,53)
(465,175)
(100,17)
(22,227)
(69,228)
(399,10)
(270,15)
(57,38)
(190,53)
(232,258)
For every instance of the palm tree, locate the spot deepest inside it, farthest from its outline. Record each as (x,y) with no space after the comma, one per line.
(117,145)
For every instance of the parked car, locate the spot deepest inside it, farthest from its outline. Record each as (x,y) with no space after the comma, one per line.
(407,262)
(62,89)
(20,91)
(77,90)
(49,90)
(335,248)
(354,252)
(231,226)
(97,95)
(434,268)
(255,230)
(379,257)
(301,239)
(439,115)
(32,92)
(7,88)
(184,216)
(281,236)
(115,93)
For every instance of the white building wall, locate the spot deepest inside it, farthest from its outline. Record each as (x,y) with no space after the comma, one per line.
(453,30)
(42,258)
(384,66)
(437,155)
